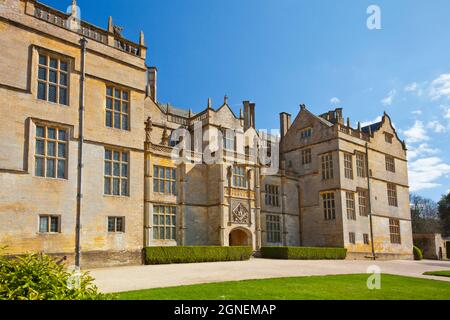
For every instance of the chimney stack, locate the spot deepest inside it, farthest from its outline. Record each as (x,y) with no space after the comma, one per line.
(249,115)
(152,74)
(285,123)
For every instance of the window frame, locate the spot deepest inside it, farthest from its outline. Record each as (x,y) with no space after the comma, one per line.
(239,177)
(112,177)
(170,181)
(350,205)
(228,136)
(112,110)
(392,194)
(59,71)
(366,239)
(49,224)
(361,165)
(348,166)
(273,228)
(329,205)
(352,237)
(363,202)
(45,157)
(116,219)
(306,156)
(390,164)
(306,133)
(170,211)
(395,231)
(272,195)
(327,166)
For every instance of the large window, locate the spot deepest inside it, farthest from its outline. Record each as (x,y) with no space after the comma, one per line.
(272,195)
(348,165)
(228,140)
(390,163)
(51,152)
(327,167)
(117,108)
(53,79)
(49,224)
(329,206)
(392,194)
(352,238)
(350,201)
(306,156)
(116,172)
(164,222)
(394,228)
(116,224)
(273,223)
(164,180)
(363,201)
(239,177)
(361,165)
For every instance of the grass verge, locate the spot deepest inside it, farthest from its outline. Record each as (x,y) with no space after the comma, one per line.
(438,273)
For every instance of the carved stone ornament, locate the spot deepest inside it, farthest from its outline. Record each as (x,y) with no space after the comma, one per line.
(241,214)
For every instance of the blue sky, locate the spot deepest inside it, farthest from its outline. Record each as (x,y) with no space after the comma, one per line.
(286,52)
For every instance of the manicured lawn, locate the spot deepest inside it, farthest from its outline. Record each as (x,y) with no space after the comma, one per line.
(342,287)
(438,273)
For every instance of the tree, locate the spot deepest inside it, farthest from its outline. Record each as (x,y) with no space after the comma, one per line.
(425,215)
(444,214)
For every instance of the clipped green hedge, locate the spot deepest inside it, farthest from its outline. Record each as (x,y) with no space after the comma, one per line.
(303,253)
(418,255)
(169,255)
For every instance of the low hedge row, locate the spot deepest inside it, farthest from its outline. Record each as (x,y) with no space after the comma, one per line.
(169,255)
(303,253)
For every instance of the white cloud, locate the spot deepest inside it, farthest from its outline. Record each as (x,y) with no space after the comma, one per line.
(412,87)
(446,112)
(368,123)
(417,112)
(422,150)
(335,101)
(436,126)
(424,173)
(390,98)
(440,87)
(417,133)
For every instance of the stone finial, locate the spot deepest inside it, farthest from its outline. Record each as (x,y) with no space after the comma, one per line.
(348,122)
(110,25)
(225,100)
(241,114)
(209,103)
(142,39)
(359,126)
(302,107)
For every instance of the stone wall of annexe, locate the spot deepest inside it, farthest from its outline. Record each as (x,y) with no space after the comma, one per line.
(328,184)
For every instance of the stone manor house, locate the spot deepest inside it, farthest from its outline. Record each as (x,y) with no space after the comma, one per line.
(87,172)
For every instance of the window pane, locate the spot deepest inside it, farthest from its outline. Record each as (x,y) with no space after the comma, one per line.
(124,122)
(124,187)
(51,149)
(109,119)
(117,105)
(50,168)
(52,76)
(109,91)
(107,168)
(40,147)
(40,132)
(124,157)
(124,170)
(39,167)
(109,103)
(63,79)
(117,120)
(116,156)
(125,95)
(53,63)
(42,73)
(108,154)
(117,93)
(42,91)
(107,186)
(54,226)
(52,93)
(61,169)
(62,135)
(116,170)
(161,234)
(119,225)
(116,187)
(43,224)
(161,220)
(155,186)
(111,224)
(63,66)
(51,133)
(125,107)
(42,60)
(63,96)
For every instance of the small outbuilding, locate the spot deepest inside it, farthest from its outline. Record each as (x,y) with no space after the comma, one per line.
(433,245)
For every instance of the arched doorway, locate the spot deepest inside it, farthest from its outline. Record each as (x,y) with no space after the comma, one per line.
(240,237)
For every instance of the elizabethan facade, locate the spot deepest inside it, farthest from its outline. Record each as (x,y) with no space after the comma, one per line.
(94,168)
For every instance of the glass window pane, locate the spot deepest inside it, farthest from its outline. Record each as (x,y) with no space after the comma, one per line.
(109,91)
(116,187)
(174,234)
(161,234)
(174,174)
(124,157)
(124,171)
(125,95)
(111,224)
(109,119)
(108,154)
(125,187)
(107,186)
(52,93)
(54,226)
(53,63)
(51,149)
(174,220)
(124,122)
(117,93)
(42,74)
(51,133)
(107,168)
(39,170)
(42,91)
(155,186)
(117,105)
(62,135)
(117,120)
(155,171)
(42,60)
(40,147)
(63,79)
(43,224)
(125,107)
(116,170)
(168,220)
(40,132)
(161,173)
(161,220)
(155,219)
(116,156)
(61,169)
(119,225)
(52,76)
(51,168)
(108,103)
(161,186)
(63,66)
